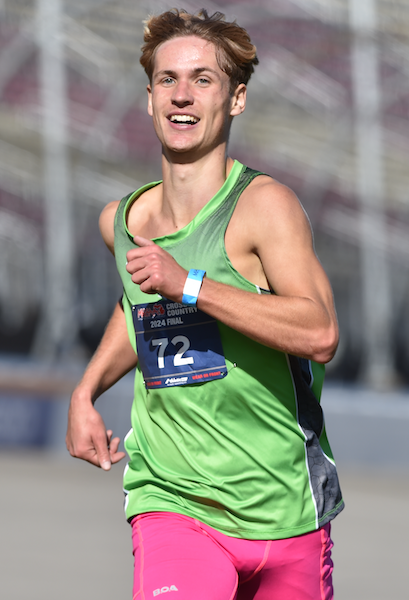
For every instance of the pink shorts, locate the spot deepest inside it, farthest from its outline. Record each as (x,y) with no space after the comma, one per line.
(179,558)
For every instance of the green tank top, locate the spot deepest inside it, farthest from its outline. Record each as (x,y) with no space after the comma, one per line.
(245,452)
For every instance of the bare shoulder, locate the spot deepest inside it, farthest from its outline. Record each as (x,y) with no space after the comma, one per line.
(266,192)
(106,224)
(271,224)
(272,208)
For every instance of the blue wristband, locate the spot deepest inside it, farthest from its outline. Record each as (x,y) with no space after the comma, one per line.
(192,286)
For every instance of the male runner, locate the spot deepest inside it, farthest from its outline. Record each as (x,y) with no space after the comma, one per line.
(229,317)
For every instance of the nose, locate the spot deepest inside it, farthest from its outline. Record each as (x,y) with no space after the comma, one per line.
(182,94)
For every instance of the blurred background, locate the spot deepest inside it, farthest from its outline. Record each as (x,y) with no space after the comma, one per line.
(328,115)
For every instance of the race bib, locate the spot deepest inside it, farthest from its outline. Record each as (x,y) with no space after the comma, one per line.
(177,344)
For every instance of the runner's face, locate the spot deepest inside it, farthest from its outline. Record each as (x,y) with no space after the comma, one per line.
(189,98)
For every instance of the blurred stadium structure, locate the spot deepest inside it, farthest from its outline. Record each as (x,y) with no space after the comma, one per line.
(328,114)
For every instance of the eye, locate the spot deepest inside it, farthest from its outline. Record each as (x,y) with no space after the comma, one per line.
(168,80)
(203,80)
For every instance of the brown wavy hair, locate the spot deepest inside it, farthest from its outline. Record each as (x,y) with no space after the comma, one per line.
(235,53)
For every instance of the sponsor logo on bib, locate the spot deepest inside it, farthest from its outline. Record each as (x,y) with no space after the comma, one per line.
(176,380)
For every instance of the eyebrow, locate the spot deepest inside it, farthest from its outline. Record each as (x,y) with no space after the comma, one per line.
(196,71)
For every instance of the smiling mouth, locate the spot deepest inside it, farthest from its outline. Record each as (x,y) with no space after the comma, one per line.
(184,119)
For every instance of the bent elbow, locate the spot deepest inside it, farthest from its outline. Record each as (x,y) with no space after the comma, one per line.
(327,344)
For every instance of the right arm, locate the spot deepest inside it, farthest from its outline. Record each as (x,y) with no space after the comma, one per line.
(87,437)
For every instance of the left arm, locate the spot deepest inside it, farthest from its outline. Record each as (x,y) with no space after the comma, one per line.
(299,318)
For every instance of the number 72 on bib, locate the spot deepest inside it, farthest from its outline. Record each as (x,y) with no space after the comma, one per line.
(177,344)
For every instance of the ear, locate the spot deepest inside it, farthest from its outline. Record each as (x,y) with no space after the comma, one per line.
(238,100)
(149,90)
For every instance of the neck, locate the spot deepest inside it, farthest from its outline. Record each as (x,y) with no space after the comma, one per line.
(188,186)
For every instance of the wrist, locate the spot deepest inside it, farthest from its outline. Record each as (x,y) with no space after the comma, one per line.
(83,395)
(192,286)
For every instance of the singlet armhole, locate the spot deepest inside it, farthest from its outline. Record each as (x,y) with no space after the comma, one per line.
(259,289)
(130,202)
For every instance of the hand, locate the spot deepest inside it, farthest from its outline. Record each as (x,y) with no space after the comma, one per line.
(155,270)
(88,439)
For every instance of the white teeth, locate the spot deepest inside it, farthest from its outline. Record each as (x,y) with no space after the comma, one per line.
(183,119)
